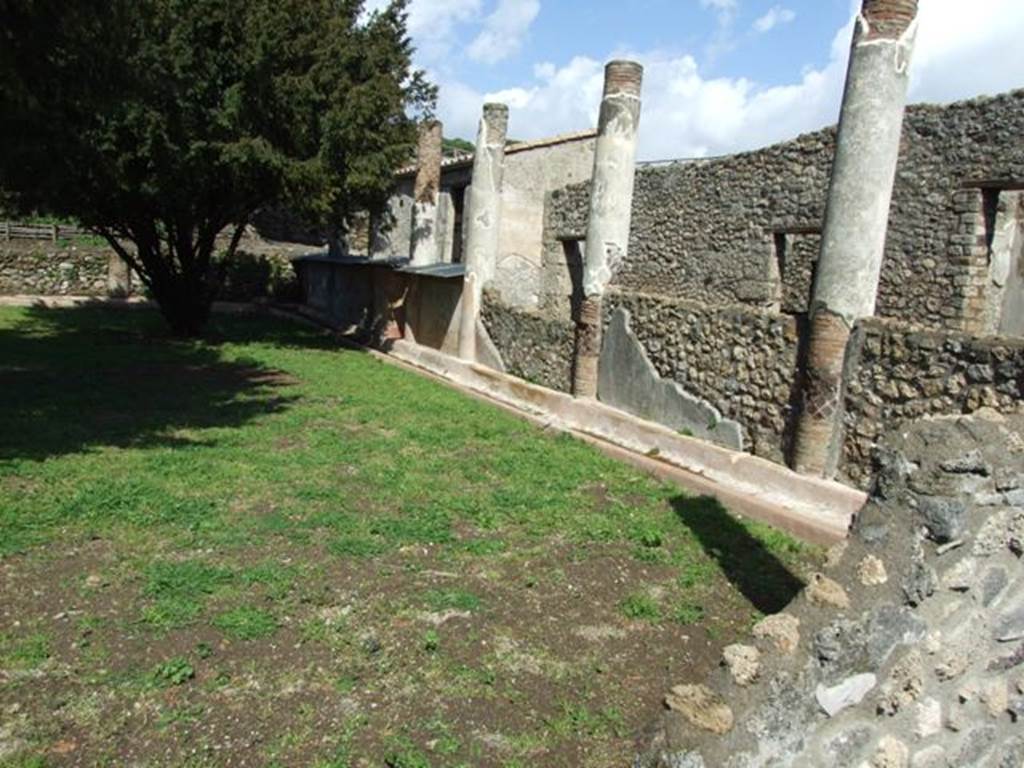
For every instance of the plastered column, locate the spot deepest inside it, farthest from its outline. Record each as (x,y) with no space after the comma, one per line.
(856,219)
(482,235)
(425,241)
(119,277)
(611,208)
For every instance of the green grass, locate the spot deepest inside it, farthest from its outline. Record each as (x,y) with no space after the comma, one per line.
(261,512)
(246,623)
(452,599)
(26,653)
(641,607)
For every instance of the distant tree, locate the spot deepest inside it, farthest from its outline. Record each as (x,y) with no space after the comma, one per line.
(161,123)
(455,147)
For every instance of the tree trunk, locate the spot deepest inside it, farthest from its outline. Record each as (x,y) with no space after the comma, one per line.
(184,290)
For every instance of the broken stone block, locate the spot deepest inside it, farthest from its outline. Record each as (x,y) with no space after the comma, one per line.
(1009,625)
(872,572)
(929,718)
(977,746)
(701,707)
(781,629)
(932,757)
(892,753)
(744,663)
(996,697)
(824,591)
(943,517)
(848,693)
(992,585)
(904,685)
(960,578)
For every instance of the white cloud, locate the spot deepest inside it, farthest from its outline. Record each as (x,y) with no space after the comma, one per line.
(776,16)
(720,5)
(687,114)
(504,30)
(433,24)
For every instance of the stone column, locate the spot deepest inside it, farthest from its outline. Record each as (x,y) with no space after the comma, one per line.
(119,277)
(426,194)
(484,211)
(611,208)
(856,219)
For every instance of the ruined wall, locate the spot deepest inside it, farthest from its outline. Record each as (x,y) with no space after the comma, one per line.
(53,269)
(908,650)
(903,374)
(706,230)
(738,359)
(722,261)
(533,347)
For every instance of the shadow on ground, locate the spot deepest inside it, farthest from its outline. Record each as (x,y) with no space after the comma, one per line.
(76,379)
(748,565)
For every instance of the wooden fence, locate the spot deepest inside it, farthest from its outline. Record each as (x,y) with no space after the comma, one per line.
(10,230)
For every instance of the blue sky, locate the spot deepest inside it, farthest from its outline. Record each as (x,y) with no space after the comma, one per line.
(721,75)
(567,28)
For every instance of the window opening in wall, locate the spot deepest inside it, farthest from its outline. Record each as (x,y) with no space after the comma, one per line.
(574,251)
(780,253)
(1007,263)
(796,258)
(458,195)
(990,210)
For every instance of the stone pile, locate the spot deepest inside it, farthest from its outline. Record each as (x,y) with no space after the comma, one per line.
(908,650)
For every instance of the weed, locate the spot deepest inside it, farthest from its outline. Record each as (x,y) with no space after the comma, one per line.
(27,653)
(641,607)
(431,641)
(246,623)
(404,754)
(452,599)
(689,612)
(179,591)
(174,672)
(578,720)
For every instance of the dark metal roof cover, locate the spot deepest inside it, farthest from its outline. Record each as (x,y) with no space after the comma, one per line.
(445,271)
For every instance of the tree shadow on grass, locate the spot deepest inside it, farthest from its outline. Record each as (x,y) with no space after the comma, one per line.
(77,379)
(745,561)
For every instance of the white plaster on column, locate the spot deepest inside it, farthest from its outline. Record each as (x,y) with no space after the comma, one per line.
(867,151)
(611,201)
(484,218)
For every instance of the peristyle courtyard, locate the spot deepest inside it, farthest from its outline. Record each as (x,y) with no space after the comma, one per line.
(264,549)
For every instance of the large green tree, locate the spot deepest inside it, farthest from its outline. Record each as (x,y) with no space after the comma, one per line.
(161,123)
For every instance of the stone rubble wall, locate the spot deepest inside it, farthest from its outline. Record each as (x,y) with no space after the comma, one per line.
(721,265)
(52,269)
(79,269)
(533,347)
(744,362)
(904,374)
(706,230)
(908,650)
(740,360)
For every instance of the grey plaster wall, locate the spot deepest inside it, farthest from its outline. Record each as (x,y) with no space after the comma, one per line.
(629,381)
(530,176)
(739,360)
(705,230)
(395,240)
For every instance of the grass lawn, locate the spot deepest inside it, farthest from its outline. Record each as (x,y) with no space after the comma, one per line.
(260,550)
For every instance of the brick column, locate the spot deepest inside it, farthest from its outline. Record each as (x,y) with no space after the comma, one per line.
(611,209)
(425,238)
(484,212)
(856,219)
